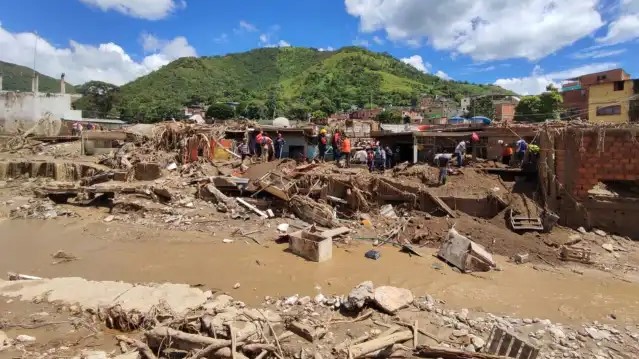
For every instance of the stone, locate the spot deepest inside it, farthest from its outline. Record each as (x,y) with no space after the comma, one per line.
(582,230)
(545,322)
(4,340)
(597,334)
(218,303)
(292,300)
(527,321)
(557,333)
(462,315)
(608,247)
(359,296)
(94,354)
(460,333)
(478,342)
(392,299)
(22,338)
(236,286)
(521,258)
(304,300)
(599,232)
(319,299)
(109,218)
(469,348)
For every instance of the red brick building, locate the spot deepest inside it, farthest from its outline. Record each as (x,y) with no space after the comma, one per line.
(365,114)
(505,111)
(575,92)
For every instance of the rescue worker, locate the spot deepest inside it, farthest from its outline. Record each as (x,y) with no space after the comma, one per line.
(442,161)
(507,154)
(346,151)
(322,144)
(337,145)
(460,152)
(279,145)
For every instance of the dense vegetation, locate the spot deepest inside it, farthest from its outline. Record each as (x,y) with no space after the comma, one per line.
(18,78)
(539,108)
(295,82)
(99,100)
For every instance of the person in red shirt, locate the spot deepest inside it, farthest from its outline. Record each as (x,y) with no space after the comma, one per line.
(337,145)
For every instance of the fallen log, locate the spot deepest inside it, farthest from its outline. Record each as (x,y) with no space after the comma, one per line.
(210,192)
(160,336)
(362,349)
(144,349)
(305,331)
(447,353)
(99,178)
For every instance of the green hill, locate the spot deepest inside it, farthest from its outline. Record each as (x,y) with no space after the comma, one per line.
(18,78)
(288,81)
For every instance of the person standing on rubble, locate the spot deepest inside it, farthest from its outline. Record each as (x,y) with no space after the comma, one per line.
(322,144)
(346,151)
(370,159)
(506,154)
(243,150)
(258,144)
(442,161)
(279,145)
(389,157)
(460,152)
(522,147)
(267,149)
(337,145)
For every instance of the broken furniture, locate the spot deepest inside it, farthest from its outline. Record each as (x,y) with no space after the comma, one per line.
(503,343)
(523,223)
(575,254)
(465,254)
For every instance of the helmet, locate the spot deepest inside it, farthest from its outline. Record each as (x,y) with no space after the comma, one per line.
(323,131)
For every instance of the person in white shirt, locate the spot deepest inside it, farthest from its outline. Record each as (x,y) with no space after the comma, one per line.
(460,152)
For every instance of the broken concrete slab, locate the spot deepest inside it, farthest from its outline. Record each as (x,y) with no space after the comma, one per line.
(92,294)
(312,246)
(391,299)
(465,254)
(359,296)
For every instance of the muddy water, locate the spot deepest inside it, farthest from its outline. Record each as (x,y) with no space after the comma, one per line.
(125,252)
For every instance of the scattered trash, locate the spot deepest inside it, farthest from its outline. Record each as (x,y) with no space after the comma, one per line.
(18,276)
(388,211)
(172,166)
(372,254)
(226,240)
(109,218)
(283,228)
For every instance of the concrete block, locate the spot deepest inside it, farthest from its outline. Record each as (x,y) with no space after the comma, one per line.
(312,246)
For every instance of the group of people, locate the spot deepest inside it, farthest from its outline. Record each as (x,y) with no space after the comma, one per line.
(519,152)
(340,143)
(262,146)
(77,128)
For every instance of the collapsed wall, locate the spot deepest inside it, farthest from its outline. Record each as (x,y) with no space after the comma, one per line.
(587,175)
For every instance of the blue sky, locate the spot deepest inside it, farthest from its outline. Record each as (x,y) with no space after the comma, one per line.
(522,45)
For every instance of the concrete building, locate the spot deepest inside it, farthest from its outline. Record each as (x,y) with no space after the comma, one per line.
(22,110)
(365,115)
(575,91)
(504,111)
(614,102)
(415,116)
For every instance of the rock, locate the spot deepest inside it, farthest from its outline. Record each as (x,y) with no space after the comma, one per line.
(599,232)
(94,354)
(130,355)
(22,338)
(319,299)
(545,322)
(359,296)
(469,348)
(391,299)
(460,333)
(608,247)
(462,315)
(4,340)
(527,321)
(557,333)
(109,218)
(478,342)
(597,334)
(521,258)
(582,230)
(236,286)
(220,302)
(292,300)
(304,300)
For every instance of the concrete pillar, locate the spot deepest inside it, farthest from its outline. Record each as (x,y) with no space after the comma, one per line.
(415,152)
(0,83)
(62,85)
(35,84)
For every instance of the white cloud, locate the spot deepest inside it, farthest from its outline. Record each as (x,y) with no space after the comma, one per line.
(484,30)
(329,48)
(107,62)
(597,54)
(417,62)
(378,40)
(247,26)
(626,26)
(536,83)
(442,75)
(222,39)
(144,9)
(283,43)
(265,41)
(361,42)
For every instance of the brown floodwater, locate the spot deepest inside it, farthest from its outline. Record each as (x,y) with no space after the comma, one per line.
(118,251)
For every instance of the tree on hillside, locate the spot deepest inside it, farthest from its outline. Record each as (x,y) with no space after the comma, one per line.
(99,99)
(481,106)
(299,112)
(539,108)
(318,114)
(220,111)
(389,117)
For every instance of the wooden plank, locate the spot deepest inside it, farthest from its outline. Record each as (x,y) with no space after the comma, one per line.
(442,205)
(251,207)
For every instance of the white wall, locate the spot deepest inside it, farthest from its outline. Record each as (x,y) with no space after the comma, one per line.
(22,110)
